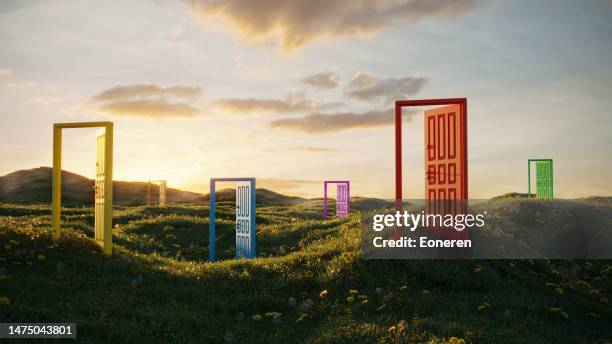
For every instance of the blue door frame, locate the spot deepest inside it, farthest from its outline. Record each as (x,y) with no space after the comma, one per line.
(253,231)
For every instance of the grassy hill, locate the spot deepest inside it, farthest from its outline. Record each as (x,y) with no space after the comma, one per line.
(308,283)
(544,228)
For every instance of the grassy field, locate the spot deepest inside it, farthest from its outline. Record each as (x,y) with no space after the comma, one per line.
(308,284)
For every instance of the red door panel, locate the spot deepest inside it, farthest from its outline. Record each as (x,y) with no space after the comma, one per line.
(444,129)
(440,133)
(445,143)
(442,174)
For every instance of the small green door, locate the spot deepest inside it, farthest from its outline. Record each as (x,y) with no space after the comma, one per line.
(544,179)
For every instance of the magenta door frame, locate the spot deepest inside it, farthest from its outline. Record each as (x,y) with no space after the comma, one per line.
(348,191)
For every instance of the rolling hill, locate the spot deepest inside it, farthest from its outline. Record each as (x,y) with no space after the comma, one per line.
(34,186)
(308,284)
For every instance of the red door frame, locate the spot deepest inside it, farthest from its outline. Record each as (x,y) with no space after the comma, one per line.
(399,104)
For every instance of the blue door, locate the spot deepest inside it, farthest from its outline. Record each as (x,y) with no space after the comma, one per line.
(244,221)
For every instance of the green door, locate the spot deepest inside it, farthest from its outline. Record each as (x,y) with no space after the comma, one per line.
(544,179)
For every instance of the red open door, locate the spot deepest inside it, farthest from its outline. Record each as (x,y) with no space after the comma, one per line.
(444,154)
(445,174)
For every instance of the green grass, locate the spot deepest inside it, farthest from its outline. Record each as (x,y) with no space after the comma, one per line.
(158,286)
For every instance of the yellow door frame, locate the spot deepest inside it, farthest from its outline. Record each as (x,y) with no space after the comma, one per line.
(56,203)
(163,187)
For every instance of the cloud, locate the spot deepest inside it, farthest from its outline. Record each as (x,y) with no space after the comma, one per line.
(21,84)
(302,149)
(333,122)
(179,34)
(149,100)
(5,72)
(296,22)
(322,80)
(292,103)
(369,88)
(150,108)
(119,93)
(363,80)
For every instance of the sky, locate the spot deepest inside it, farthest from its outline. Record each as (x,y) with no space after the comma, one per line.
(296,92)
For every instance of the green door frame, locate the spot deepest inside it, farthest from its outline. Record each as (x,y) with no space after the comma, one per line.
(529,161)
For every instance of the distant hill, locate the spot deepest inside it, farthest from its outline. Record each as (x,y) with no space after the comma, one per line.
(513,195)
(264,196)
(367,203)
(548,228)
(34,186)
(598,199)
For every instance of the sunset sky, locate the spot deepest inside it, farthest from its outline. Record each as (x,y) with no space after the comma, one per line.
(294,92)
